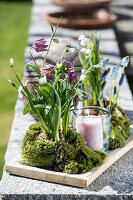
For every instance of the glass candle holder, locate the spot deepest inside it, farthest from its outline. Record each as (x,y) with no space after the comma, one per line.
(94,123)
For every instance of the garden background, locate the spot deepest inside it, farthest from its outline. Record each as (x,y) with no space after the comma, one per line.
(14,24)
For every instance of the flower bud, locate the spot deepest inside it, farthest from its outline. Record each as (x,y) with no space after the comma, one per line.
(11,62)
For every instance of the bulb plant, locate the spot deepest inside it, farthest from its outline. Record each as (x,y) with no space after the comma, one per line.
(90,57)
(53,102)
(51,143)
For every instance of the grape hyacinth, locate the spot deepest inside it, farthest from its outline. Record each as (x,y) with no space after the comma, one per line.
(125,61)
(115,71)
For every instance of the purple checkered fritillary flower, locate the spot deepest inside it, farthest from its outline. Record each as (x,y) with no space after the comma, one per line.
(73,78)
(40,45)
(49,72)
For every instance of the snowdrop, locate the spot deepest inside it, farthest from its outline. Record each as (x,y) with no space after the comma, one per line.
(86,51)
(83,40)
(11,62)
(59,65)
(82,77)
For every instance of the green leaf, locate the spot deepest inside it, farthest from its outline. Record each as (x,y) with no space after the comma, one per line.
(26,109)
(36,69)
(35,110)
(52,29)
(42,106)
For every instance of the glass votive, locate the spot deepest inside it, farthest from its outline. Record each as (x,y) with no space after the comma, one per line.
(94,123)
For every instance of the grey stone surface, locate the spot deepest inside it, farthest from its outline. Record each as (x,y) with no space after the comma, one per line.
(116,182)
(124,32)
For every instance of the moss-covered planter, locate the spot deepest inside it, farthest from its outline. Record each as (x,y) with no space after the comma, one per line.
(70,154)
(120,128)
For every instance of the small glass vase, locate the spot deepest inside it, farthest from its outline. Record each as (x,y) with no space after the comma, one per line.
(94,123)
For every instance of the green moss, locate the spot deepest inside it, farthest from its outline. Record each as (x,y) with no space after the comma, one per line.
(117,139)
(84,164)
(91,156)
(70,155)
(71,168)
(102,154)
(120,128)
(35,126)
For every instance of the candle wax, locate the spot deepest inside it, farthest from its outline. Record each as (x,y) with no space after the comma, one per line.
(92,130)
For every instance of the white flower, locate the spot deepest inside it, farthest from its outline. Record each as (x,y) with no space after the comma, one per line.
(11,62)
(83,40)
(86,51)
(81,37)
(26,82)
(82,77)
(20,89)
(71,50)
(59,65)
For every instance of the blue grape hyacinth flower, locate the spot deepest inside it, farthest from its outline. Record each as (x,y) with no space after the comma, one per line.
(115,71)
(125,61)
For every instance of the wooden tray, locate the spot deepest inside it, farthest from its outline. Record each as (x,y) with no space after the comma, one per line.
(81,3)
(95,19)
(80,180)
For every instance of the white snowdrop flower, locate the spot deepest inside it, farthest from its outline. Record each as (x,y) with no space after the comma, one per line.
(82,77)
(59,65)
(81,37)
(83,50)
(11,62)
(26,82)
(86,51)
(83,40)
(20,89)
(71,50)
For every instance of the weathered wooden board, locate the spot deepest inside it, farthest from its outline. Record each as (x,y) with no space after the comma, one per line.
(80,180)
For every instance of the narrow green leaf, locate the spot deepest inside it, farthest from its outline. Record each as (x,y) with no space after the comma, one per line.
(52,29)
(36,69)
(26,109)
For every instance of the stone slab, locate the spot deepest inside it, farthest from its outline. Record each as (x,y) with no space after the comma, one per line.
(115,183)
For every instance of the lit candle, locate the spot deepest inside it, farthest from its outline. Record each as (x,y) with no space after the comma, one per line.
(92,130)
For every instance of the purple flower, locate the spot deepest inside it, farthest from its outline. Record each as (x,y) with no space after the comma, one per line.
(39,45)
(49,72)
(73,78)
(69,66)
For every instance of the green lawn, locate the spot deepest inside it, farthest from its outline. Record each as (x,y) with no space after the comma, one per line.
(14,24)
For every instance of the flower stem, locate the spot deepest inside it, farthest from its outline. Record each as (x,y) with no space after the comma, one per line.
(33,57)
(113,82)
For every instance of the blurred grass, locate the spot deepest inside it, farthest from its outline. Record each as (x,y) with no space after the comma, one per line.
(14,24)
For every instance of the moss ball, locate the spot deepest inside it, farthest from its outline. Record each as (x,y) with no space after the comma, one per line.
(70,154)
(120,128)
(116,139)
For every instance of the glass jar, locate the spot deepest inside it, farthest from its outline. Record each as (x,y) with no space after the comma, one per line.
(95,124)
